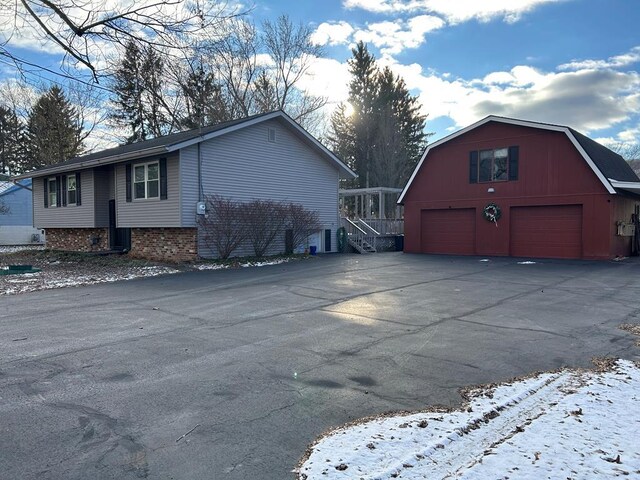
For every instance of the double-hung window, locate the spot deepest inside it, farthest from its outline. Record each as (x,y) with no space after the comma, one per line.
(146,180)
(493,164)
(497,165)
(52,191)
(71,189)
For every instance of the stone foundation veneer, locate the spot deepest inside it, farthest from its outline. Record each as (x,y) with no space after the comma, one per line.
(77,239)
(164,244)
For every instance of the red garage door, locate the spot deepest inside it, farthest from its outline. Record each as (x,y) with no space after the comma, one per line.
(448,231)
(549,231)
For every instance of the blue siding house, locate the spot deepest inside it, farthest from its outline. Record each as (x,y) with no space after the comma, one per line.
(16,224)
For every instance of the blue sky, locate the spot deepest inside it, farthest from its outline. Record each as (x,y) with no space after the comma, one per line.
(572,62)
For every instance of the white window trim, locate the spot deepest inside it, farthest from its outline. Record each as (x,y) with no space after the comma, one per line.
(146,181)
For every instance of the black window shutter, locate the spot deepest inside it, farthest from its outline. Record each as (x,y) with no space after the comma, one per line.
(163,179)
(78,190)
(513,162)
(46,192)
(58,191)
(127,169)
(64,191)
(473,167)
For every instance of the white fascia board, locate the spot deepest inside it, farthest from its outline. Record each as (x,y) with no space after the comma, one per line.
(92,163)
(629,186)
(341,166)
(521,123)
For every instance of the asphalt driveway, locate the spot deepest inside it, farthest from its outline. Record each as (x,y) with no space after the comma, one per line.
(230,374)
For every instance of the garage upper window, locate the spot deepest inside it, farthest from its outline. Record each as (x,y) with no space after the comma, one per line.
(497,165)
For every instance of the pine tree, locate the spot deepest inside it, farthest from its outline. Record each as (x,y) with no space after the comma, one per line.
(54,131)
(139,105)
(203,99)
(12,142)
(383,137)
(129,89)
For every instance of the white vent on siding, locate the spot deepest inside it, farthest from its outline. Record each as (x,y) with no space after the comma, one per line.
(272,134)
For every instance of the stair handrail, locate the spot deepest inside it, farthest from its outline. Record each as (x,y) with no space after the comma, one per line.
(362,222)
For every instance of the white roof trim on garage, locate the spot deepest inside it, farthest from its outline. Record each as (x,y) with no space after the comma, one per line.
(633,187)
(521,123)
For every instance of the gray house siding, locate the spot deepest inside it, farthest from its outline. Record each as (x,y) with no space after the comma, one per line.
(104,191)
(189,180)
(149,212)
(245,165)
(72,216)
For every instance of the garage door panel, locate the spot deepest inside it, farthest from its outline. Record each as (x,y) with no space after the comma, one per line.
(450,231)
(546,231)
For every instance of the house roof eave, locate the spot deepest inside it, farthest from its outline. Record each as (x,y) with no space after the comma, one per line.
(43,172)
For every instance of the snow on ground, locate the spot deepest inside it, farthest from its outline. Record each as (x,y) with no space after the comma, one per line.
(527,262)
(569,425)
(19,248)
(244,264)
(29,282)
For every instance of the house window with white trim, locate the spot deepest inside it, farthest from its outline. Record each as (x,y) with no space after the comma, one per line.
(52,192)
(493,164)
(71,189)
(146,180)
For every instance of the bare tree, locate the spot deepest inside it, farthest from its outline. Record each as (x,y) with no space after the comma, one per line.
(264,70)
(292,51)
(628,151)
(222,227)
(81,29)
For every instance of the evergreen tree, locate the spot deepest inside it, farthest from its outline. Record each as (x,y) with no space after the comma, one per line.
(203,99)
(54,130)
(138,85)
(383,138)
(12,142)
(129,89)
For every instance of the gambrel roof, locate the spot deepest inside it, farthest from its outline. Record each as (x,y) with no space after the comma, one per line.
(611,169)
(176,141)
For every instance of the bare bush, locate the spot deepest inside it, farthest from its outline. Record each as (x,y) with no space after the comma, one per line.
(264,221)
(302,223)
(222,227)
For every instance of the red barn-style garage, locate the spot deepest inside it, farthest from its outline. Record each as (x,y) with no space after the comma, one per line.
(518,188)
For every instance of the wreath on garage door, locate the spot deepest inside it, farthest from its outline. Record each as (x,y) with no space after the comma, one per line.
(492,213)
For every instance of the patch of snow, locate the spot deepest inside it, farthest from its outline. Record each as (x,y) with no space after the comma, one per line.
(569,424)
(219,266)
(485,260)
(528,262)
(30,282)
(19,248)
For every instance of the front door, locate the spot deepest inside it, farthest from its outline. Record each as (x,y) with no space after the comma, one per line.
(119,238)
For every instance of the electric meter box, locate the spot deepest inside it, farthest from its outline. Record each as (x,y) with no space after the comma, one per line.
(200,208)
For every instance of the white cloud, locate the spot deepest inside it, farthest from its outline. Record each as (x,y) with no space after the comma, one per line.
(617,61)
(586,100)
(332,33)
(392,37)
(455,11)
